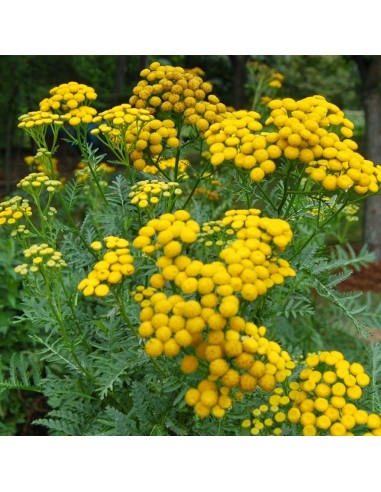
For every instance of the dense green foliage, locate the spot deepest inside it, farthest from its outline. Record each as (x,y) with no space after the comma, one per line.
(84,349)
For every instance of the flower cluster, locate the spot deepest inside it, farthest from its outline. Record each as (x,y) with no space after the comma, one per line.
(351,213)
(153,138)
(323,401)
(115,264)
(240,358)
(37,181)
(204,310)
(276,80)
(114,123)
(42,256)
(38,119)
(311,131)
(237,355)
(214,232)
(13,210)
(249,267)
(20,230)
(164,166)
(234,139)
(135,132)
(67,102)
(82,114)
(68,96)
(173,89)
(164,232)
(248,225)
(150,192)
(323,398)
(268,418)
(303,130)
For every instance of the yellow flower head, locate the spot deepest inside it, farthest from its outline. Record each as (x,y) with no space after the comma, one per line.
(115,265)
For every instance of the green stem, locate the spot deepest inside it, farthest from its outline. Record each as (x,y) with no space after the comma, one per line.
(155,164)
(61,324)
(158,367)
(95,178)
(32,226)
(285,189)
(257,93)
(176,172)
(294,194)
(124,314)
(41,214)
(85,157)
(72,221)
(199,177)
(266,195)
(139,217)
(319,227)
(69,303)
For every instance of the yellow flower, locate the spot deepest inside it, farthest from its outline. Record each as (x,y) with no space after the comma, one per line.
(322,390)
(218,367)
(154,347)
(189,364)
(267,382)
(354,392)
(321,404)
(323,422)
(101,290)
(171,348)
(330,182)
(360,416)
(338,389)
(309,430)
(172,249)
(348,421)
(362,379)
(192,396)
(209,398)
(338,429)
(373,421)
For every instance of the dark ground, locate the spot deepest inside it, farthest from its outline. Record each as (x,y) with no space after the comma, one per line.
(367,279)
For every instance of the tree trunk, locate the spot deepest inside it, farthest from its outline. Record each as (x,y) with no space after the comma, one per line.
(238,63)
(9,136)
(370,73)
(120,72)
(143,61)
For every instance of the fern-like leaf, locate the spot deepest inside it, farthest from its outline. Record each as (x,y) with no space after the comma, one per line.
(350,258)
(71,193)
(375,374)
(24,373)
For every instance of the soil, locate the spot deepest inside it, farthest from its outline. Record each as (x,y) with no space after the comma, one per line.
(367,279)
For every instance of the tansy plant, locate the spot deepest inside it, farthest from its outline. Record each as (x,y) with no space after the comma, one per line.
(182,283)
